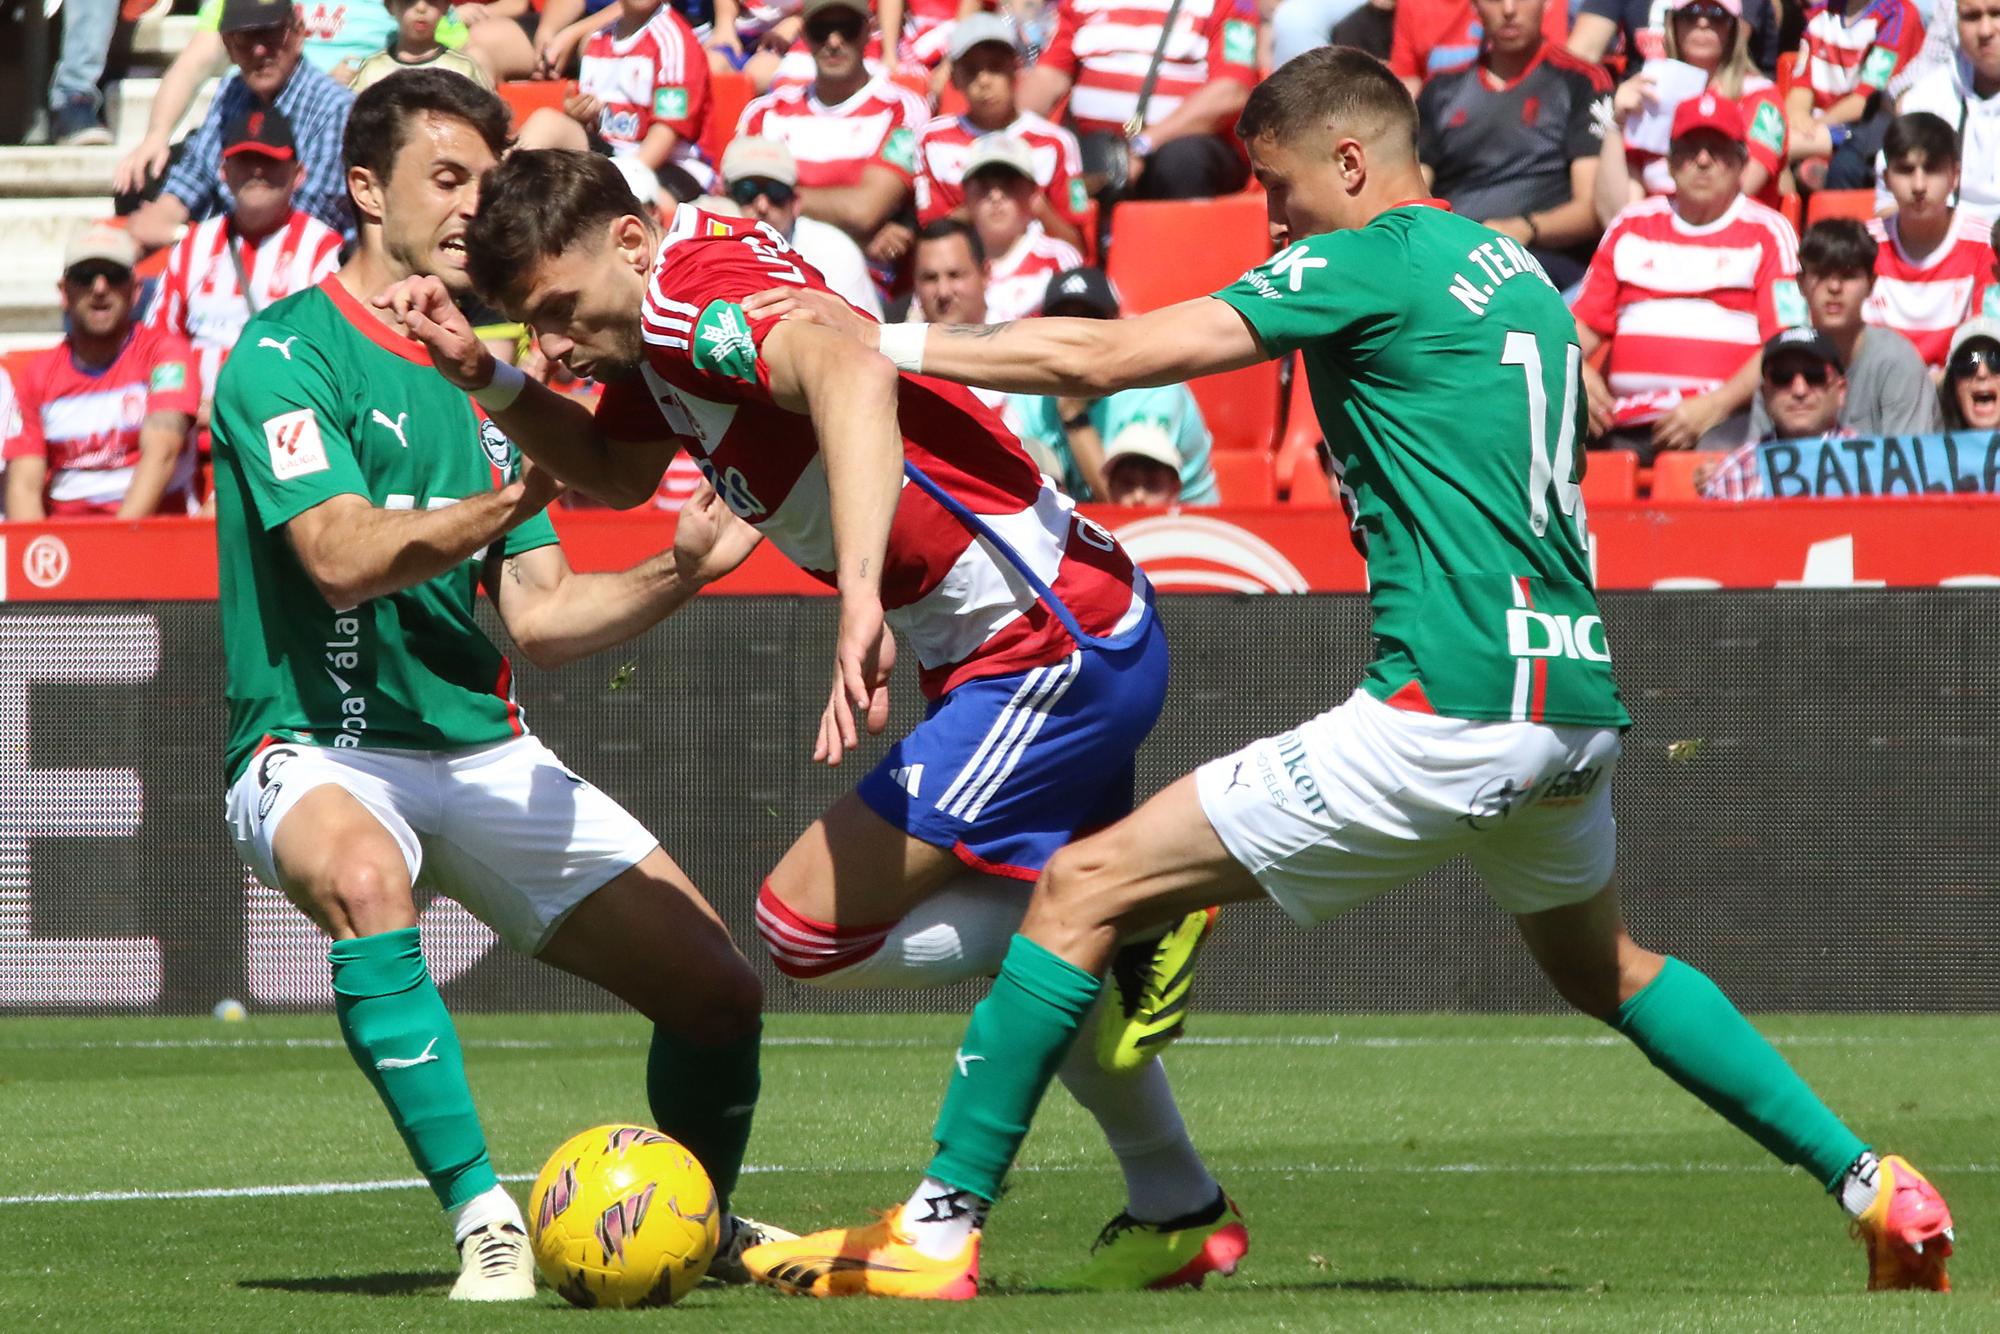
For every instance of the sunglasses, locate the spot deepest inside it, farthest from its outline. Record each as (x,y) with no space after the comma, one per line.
(1970,360)
(850,26)
(84,276)
(1817,374)
(745,191)
(1715,14)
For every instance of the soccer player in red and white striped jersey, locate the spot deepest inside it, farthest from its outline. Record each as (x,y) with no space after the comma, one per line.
(1000,191)
(1933,259)
(1687,288)
(225,270)
(1099,58)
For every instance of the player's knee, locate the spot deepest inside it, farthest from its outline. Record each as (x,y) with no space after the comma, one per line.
(364,897)
(1081,886)
(724,1008)
(1589,985)
(808,950)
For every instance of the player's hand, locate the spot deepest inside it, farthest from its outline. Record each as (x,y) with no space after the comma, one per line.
(540,488)
(1684,427)
(864,655)
(814,307)
(429,316)
(709,539)
(147,159)
(583,108)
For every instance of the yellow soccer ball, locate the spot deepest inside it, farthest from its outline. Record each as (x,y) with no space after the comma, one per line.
(623,1216)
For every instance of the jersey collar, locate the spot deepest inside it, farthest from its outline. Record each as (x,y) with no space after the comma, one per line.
(1486,75)
(1438,204)
(368,326)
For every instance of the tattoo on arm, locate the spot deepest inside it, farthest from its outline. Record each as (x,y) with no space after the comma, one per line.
(513,569)
(977,330)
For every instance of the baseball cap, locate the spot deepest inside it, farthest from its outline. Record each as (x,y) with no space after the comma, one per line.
(813,7)
(978,28)
(1146,440)
(1000,150)
(1979,326)
(112,244)
(1805,341)
(1735,7)
(265,131)
(242,15)
(1083,286)
(767,159)
(1709,111)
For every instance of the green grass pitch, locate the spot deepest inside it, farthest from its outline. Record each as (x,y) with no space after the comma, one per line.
(1406,1173)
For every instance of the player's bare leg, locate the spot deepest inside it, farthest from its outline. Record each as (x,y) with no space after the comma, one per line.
(1688,1028)
(340,864)
(650,939)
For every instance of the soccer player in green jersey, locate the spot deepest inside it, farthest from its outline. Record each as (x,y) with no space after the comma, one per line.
(1444,368)
(374,735)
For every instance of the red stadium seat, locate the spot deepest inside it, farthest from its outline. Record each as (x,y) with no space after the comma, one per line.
(1673,473)
(524,97)
(1243,477)
(1240,407)
(728,94)
(1612,475)
(1840,204)
(1793,209)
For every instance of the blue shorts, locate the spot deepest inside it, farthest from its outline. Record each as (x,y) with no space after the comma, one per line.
(1006,769)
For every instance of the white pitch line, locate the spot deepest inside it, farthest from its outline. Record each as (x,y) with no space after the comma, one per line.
(313,1188)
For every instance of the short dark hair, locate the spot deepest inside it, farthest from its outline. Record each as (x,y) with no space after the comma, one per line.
(379,125)
(1330,84)
(943,229)
(1837,245)
(1922,133)
(535,205)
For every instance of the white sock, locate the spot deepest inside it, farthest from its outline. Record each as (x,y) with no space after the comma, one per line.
(1164,1176)
(486,1208)
(1858,1188)
(940,1219)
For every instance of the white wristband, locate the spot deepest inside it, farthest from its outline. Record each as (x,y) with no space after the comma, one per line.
(498,394)
(904,345)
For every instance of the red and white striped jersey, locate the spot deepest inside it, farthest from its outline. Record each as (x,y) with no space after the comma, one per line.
(657,76)
(959,603)
(202,300)
(832,144)
(945,144)
(1017,280)
(1107,46)
(1926,301)
(1684,305)
(1839,55)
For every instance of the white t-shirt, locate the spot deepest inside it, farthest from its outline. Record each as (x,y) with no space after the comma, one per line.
(1945,95)
(839,260)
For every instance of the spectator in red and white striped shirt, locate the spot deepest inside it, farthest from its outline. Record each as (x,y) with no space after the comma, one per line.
(1850,52)
(1687,288)
(1098,59)
(1000,193)
(984,62)
(278,248)
(1933,259)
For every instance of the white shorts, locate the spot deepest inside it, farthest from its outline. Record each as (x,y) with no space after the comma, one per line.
(1349,805)
(505,829)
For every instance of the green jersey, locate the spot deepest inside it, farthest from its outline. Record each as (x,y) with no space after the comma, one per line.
(319,400)
(1445,372)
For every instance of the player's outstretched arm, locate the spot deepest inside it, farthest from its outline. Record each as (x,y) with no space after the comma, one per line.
(555,431)
(557,616)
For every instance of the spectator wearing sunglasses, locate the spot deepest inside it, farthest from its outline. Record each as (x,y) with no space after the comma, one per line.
(1635,27)
(1969,396)
(1805,386)
(102,416)
(761,178)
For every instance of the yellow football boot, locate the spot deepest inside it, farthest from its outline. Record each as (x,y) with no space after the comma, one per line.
(1150,986)
(1131,1256)
(1907,1230)
(873,1261)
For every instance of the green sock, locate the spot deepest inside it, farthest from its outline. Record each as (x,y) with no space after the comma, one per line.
(704,1097)
(1017,1038)
(401,1036)
(1688,1028)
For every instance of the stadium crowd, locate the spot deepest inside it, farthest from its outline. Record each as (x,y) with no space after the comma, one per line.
(1656,160)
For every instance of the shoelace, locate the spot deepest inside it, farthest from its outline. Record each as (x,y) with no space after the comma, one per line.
(497,1251)
(1113,1230)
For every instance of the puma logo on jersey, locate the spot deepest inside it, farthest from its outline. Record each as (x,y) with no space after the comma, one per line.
(403,1063)
(284,348)
(395,427)
(964,1061)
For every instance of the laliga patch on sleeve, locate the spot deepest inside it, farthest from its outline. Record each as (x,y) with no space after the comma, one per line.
(1079,198)
(1767,127)
(723,344)
(900,150)
(1875,70)
(1790,304)
(296,449)
(169,376)
(1239,42)
(670,103)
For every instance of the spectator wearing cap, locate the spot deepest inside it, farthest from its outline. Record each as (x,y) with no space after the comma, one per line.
(984,62)
(1933,258)
(103,415)
(1888,389)
(1969,394)
(1000,194)
(853,136)
(1963,90)
(1432,36)
(227,269)
(1512,139)
(641,91)
(1805,387)
(1185,145)
(416,46)
(263,38)
(1686,288)
(1114,448)
(761,178)
(1850,53)
(1711,35)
